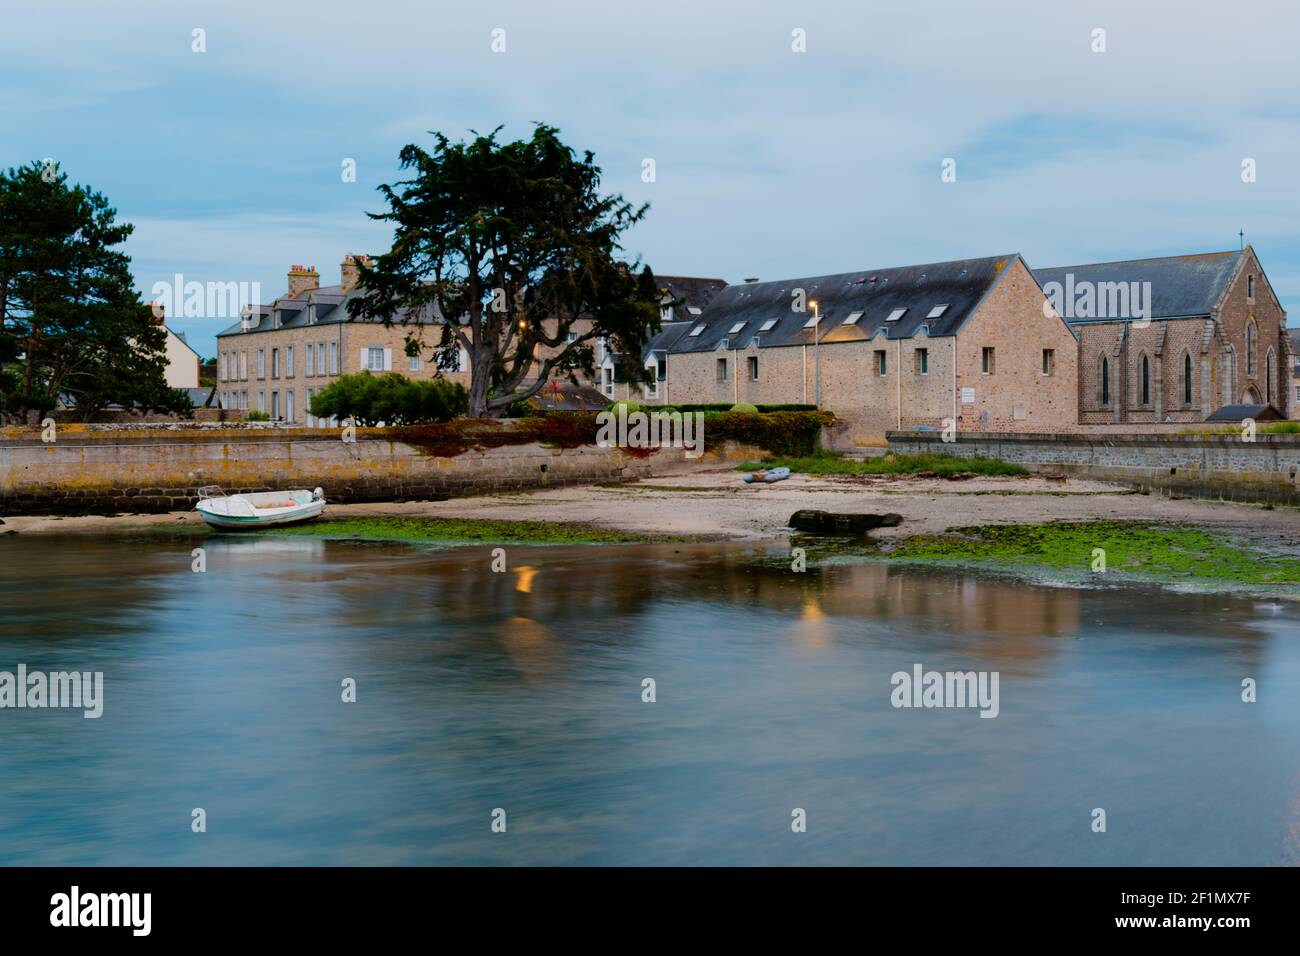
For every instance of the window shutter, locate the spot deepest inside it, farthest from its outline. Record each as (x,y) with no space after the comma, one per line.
(388,360)
(363,360)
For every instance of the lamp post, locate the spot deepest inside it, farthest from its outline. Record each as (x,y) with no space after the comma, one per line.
(817,355)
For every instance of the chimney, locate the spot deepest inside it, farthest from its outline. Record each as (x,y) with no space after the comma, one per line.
(349,271)
(159,312)
(752,279)
(302,279)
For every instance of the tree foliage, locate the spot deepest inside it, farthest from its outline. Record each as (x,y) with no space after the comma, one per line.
(515,244)
(72,325)
(391,398)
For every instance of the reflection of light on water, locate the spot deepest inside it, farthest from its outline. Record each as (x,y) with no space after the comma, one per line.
(525,582)
(813,629)
(528,644)
(261,547)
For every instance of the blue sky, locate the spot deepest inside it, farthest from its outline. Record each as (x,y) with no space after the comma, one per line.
(768,162)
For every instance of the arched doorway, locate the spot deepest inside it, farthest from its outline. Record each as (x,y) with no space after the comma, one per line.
(1250,396)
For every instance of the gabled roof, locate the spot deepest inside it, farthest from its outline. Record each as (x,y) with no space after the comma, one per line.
(1181,286)
(330,303)
(1237,413)
(695,292)
(919,291)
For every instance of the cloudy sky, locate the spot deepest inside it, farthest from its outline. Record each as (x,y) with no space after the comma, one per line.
(768,162)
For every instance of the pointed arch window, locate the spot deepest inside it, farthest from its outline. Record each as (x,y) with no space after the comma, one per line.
(1251,336)
(1105,380)
(1187,378)
(1146,381)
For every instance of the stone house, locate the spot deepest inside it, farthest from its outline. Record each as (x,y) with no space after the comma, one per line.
(1174,339)
(278,356)
(968,342)
(684,300)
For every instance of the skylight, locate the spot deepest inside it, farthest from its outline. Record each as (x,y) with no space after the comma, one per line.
(813,320)
(698,329)
(768,325)
(694,310)
(937,311)
(852,318)
(896,315)
(736,328)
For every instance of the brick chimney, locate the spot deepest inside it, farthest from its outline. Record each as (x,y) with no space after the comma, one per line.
(159,312)
(349,271)
(302,279)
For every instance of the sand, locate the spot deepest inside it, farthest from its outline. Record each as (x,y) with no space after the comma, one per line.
(711,500)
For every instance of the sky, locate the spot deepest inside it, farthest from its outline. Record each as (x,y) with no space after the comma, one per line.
(768,161)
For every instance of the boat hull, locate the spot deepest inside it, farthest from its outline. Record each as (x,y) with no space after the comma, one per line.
(271,519)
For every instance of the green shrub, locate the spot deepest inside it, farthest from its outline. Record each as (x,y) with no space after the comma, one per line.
(629,407)
(256,416)
(779,433)
(745,407)
(391,398)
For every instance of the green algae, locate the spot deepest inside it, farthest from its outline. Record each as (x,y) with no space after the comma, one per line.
(833,463)
(1143,549)
(457,530)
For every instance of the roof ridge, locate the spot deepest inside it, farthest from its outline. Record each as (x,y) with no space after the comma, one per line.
(1118,262)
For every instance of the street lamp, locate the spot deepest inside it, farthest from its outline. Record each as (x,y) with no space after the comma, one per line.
(817,355)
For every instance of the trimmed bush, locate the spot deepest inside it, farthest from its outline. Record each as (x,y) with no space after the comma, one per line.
(256,416)
(391,398)
(745,407)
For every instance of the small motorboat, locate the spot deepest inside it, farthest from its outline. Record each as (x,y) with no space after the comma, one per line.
(767,475)
(262,509)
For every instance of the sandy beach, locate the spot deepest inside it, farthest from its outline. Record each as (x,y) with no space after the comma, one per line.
(711,500)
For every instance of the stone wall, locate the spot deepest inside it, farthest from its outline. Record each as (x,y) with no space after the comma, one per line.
(109,469)
(1199,466)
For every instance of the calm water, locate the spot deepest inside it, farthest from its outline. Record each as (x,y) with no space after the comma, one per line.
(523,691)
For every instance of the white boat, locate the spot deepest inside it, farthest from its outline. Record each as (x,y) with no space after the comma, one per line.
(262,509)
(767,475)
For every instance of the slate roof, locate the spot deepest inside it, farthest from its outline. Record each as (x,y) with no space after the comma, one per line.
(1237,413)
(1181,286)
(696,292)
(958,286)
(330,304)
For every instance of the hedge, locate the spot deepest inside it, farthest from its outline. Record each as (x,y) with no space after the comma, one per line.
(778,433)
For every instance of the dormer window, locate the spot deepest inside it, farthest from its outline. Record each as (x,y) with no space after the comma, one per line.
(896,315)
(852,318)
(666,313)
(937,311)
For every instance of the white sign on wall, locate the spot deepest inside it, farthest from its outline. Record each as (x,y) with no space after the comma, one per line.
(968,396)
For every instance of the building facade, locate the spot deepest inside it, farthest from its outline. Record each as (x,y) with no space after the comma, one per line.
(1174,339)
(281,355)
(965,343)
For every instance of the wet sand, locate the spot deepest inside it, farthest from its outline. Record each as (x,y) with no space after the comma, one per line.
(711,500)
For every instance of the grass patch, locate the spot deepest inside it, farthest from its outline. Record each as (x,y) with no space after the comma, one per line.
(455,530)
(1152,550)
(825,462)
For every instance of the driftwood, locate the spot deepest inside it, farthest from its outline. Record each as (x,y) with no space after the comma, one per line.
(826,522)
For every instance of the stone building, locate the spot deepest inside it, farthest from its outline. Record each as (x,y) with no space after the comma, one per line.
(278,356)
(968,341)
(1173,339)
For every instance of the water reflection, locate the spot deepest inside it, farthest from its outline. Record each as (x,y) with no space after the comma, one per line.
(522,689)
